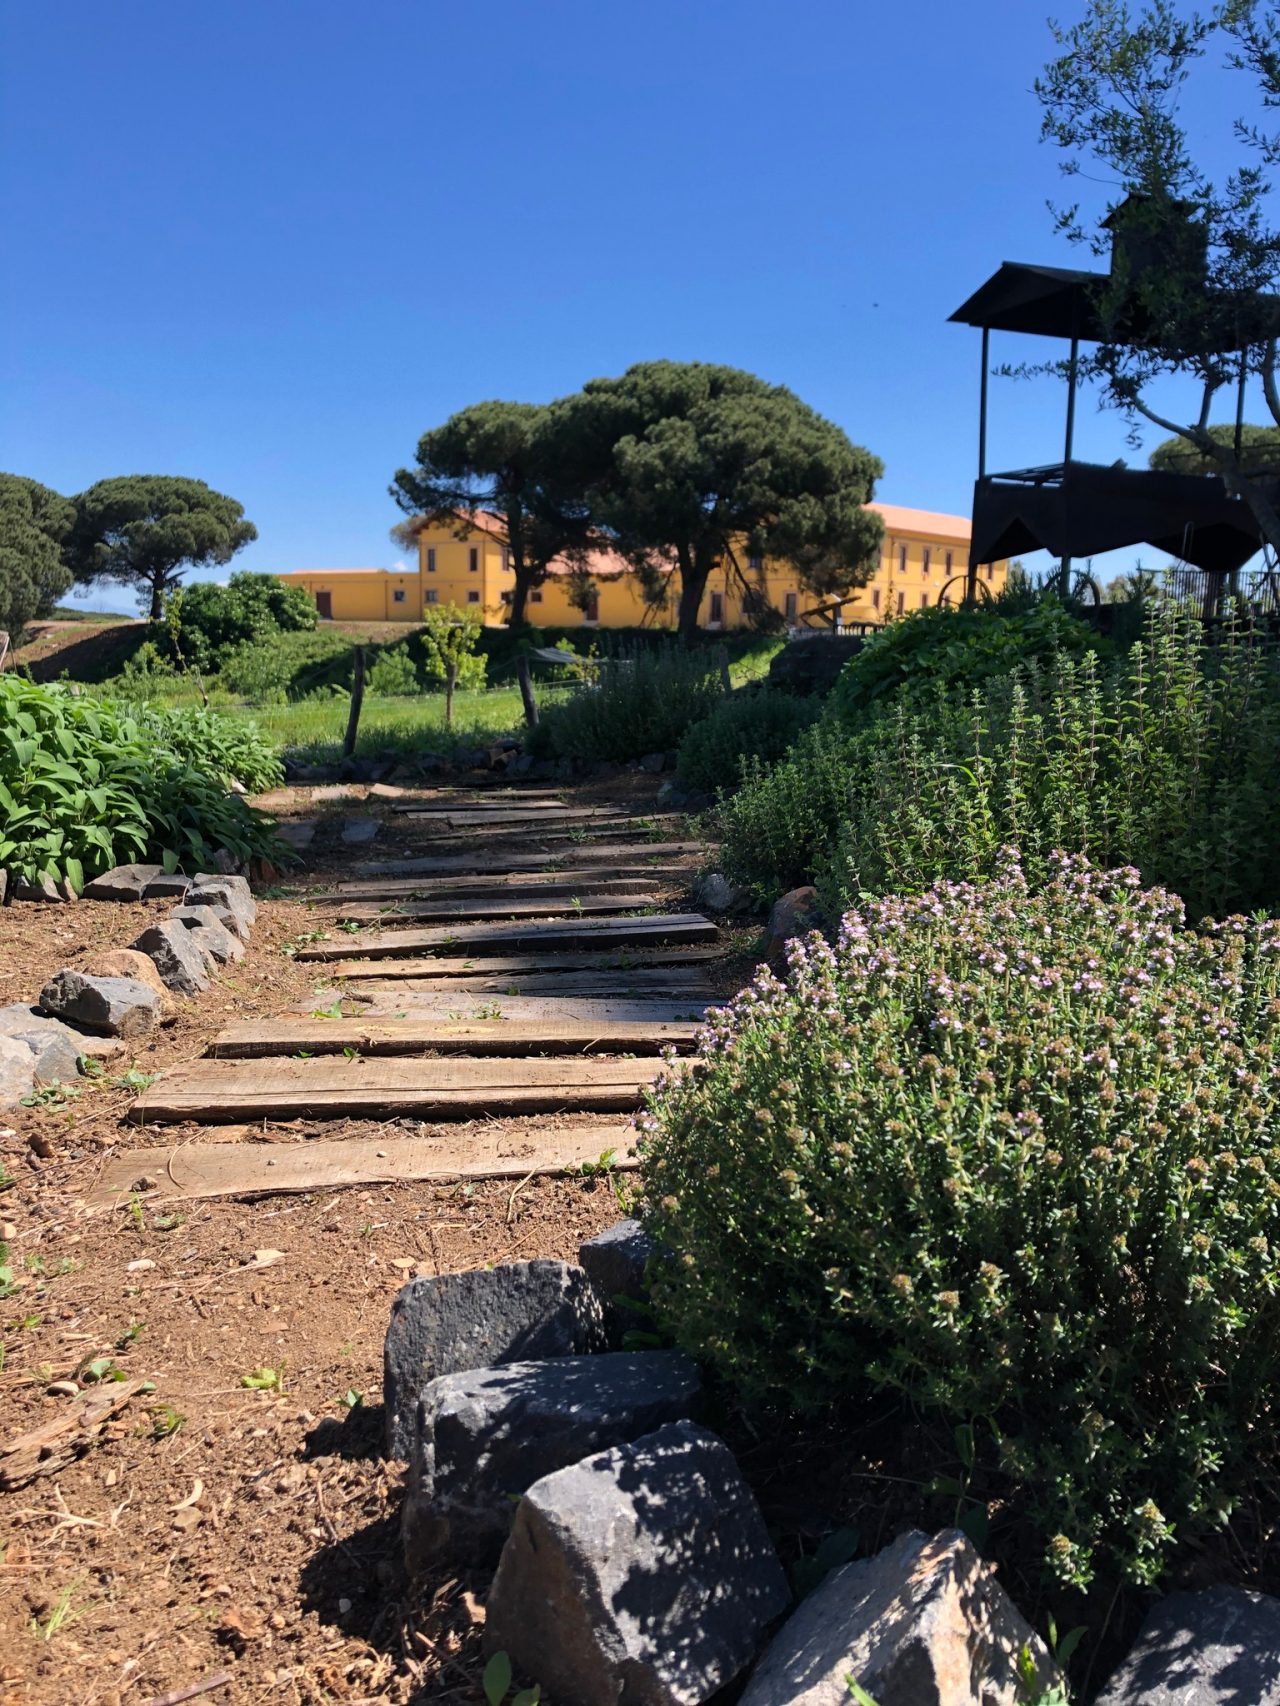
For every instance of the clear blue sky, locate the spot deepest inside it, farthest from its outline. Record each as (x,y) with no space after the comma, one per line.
(269,242)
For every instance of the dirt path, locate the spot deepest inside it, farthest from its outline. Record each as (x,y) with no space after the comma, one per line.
(219,1527)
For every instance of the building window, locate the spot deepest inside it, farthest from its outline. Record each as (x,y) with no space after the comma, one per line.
(535,597)
(755,560)
(902,602)
(875,598)
(924,565)
(473,559)
(397,595)
(789,606)
(506,597)
(433,597)
(506,560)
(902,559)
(947,561)
(717,608)
(592,611)
(924,601)
(473,597)
(991,571)
(431,559)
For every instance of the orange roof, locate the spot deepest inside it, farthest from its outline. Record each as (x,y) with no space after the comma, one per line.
(932,524)
(289,574)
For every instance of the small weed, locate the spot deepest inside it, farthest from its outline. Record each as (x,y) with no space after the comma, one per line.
(130,1336)
(98,1369)
(7,1180)
(304,940)
(496,1682)
(168,1222)
(51,1096)
(351,926)
(334,1012)
(264,1379)
(165,1420)
(350,1053)
(351,1399)
(60,1614)
(91,1066)
(600,1167)
(134,1079)
(34,1264)
(135,1212)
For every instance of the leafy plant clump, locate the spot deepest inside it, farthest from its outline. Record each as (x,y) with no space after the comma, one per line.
(944,647)
(635,703)
(85,785)
(755,724)
(1012,1157)
(226,747)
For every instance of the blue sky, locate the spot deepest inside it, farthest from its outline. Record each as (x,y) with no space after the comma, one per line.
(269,242)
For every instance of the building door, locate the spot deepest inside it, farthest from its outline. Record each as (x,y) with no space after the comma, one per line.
(716,617)
(324,606)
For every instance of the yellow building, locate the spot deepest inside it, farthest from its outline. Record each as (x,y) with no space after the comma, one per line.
(923,552)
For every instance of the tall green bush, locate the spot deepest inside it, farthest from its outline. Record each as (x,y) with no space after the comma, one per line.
(751,724)
(637,702)
(1011,1156)
(85,785)
(1164,759)
(207,621)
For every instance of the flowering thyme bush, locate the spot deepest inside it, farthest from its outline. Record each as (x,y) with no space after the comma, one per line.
(1013,1157)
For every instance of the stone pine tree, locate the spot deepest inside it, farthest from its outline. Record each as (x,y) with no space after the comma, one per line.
(1195,260)
(143,530)
(493,456)
(34,521)
(684,463)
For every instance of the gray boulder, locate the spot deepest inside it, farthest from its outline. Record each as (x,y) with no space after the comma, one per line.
(210,933)
(123,883)
(44,887)
(795,914)
(1218,1647)
(180,961)
(230,895)
(921,1621)
(482,1437)
(169,885)
(446,1323)
(642,1575)
(715,893)
(109,1006)
(17,1072)
(615,1261)
(40,1031)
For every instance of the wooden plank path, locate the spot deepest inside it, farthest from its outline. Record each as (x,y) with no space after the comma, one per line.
(509,864)
(188,1171)
(478,908)
(220,1091)
(517,971)
(651,931)
(419,1036)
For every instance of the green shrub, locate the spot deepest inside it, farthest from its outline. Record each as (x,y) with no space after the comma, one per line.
(85,784)
(781,825)
(946,647)
(287,666)
(226,747)
(1009,1156)
(754,724)
(207,621)
(392,673)
(637,703)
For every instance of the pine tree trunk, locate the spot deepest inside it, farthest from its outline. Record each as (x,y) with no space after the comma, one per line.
(694,573)
(519,598)
(157,600)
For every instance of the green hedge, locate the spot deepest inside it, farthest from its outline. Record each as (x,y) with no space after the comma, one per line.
(752,724)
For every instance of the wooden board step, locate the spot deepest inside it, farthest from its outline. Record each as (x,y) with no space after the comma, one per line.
(684,981)
(617,965)
(522,884)
(510,863)
(525,832)
(472,908)
(652,931)
(193,1170)
(221,1091)
(394,1001)
(555,803)
(369,1036)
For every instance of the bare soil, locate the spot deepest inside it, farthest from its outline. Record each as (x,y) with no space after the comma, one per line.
(219,1527)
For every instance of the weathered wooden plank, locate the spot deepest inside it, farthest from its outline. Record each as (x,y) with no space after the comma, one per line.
(650,931)
(683,980)
(195,1170)
(394,1000)
(511,862)
(55,1444)
(448,832)
(446,967)
(530,884)
(495,1035)
(507,803)
(476,908)
(435,1089)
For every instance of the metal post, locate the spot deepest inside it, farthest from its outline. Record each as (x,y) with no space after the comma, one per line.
(1073,374)
(982,404)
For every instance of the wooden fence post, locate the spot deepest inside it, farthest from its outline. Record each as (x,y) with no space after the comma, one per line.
(357,700)
(525,678)
(722,659)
